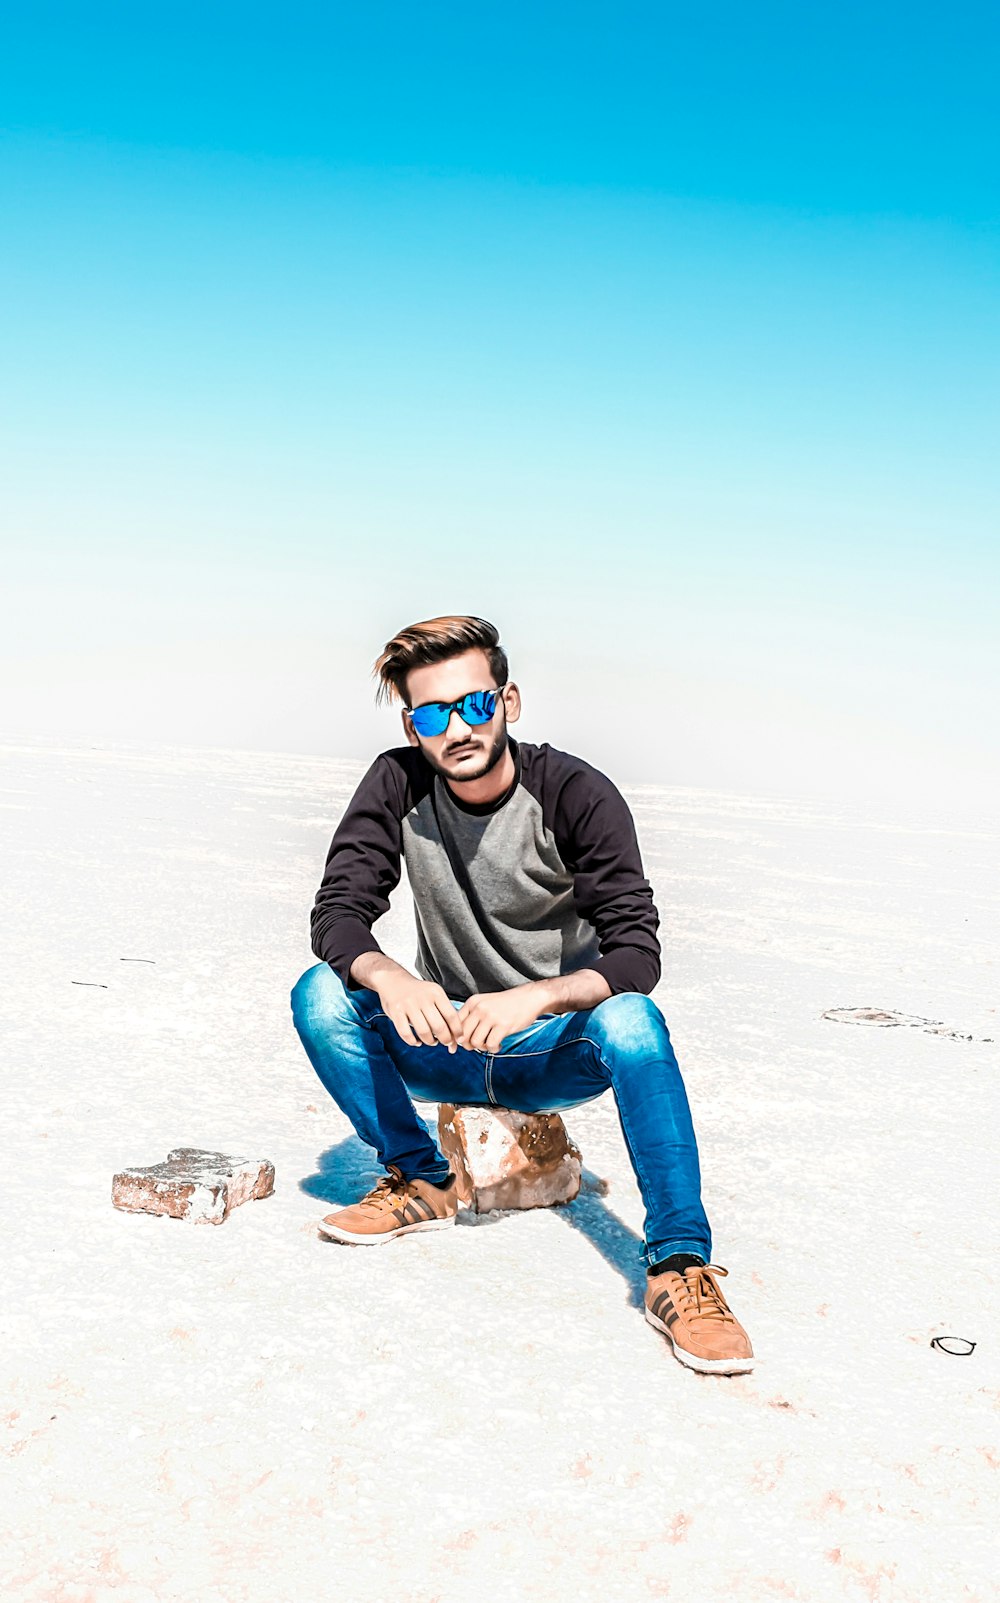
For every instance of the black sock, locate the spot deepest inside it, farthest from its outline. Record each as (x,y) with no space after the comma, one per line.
(449,1177)
(678,1262)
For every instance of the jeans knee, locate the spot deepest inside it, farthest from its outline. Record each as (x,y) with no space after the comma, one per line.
(630,1024)
(318,999)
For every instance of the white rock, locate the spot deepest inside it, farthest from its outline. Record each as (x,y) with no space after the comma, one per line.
(507,1159)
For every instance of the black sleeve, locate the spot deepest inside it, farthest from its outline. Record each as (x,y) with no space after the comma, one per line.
(362,870)
(595,836)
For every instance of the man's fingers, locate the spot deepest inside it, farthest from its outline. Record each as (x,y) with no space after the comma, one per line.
(433,1028)
(416,1029)
(464,1021)
(412,1026)
(473,1034)
(443,1017)
(477,1027)
(403,1029)
(424,1028)
(442,1026)
(479,1035)
(449,1016)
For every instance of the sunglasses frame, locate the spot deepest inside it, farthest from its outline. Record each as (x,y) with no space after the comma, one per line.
(448,707)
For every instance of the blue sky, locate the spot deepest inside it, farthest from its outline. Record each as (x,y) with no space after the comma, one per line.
(665,336)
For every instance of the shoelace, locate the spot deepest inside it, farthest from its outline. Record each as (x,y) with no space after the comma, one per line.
(391,1185)
(703,1298)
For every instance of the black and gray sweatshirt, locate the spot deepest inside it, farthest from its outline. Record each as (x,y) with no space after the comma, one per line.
(545,880)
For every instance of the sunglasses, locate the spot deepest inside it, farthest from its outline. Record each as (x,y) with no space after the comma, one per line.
(433,718)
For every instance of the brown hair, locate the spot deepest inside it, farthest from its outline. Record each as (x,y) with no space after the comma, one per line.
(432,641)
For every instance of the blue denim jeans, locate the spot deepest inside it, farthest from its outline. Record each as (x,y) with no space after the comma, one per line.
(559,1062)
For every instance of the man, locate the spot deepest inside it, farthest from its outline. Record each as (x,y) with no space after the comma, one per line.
(536,952)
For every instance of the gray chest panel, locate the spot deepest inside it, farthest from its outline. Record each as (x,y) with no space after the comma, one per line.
(516,921)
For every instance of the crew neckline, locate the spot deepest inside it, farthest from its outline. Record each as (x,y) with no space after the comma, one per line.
(484,809)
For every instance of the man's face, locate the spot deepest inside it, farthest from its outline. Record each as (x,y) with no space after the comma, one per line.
(462,751)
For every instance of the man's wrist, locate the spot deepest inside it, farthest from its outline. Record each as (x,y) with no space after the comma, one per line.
(542,993)
(569,993)
(374,971)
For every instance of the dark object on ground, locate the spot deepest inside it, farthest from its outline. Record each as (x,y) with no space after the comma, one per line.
(881,1017)
(962,1349)
(193,1184)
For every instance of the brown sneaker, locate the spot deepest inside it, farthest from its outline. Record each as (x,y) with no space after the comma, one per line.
(694,1315)
(394,1206)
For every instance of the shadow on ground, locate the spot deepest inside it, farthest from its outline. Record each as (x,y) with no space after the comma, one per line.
(347,1170)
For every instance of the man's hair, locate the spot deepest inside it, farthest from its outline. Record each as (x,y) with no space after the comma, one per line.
(434,640)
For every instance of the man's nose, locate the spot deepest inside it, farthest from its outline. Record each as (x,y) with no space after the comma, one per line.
(462,725)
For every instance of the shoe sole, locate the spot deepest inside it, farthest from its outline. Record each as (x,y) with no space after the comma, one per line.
(704,1366)
(337,1233)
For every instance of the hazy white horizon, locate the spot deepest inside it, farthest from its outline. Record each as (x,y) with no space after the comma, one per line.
(811,700)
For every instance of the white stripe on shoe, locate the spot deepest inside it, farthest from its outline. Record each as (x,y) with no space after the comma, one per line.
(376,1238)
(704,1366)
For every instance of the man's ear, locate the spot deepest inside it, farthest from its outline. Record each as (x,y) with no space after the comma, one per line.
(512,702)
(408,729)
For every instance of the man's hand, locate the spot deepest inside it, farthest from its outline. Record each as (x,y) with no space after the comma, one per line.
(419,1009)
(422,1012)
(483,1021)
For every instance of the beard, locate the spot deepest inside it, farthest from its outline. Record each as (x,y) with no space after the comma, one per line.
(474,770)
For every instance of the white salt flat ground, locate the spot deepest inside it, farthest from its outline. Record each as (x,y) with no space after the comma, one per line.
(247,1414)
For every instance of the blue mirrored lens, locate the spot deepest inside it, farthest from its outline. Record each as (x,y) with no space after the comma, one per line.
(430,720)
(475,708)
